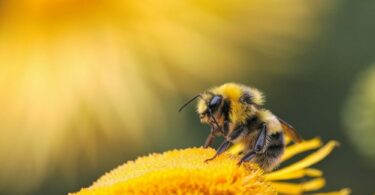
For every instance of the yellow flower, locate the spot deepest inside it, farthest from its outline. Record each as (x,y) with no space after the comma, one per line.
(184,172)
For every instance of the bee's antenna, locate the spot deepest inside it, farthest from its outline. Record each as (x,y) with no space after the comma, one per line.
(188,102)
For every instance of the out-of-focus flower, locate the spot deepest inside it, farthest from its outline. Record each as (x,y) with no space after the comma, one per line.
(184,172)
(77,74)
(359,114)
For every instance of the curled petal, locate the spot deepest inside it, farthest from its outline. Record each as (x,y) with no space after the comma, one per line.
(307,161)
(345,191)
(290,188)
(301,147)
(295,174)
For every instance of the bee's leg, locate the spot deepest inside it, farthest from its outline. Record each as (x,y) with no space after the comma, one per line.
(209,140)
(260,144)
(225,127)
(222,148)
(227,143)
(259,147)
(236,133)
(247,157)
(211,137)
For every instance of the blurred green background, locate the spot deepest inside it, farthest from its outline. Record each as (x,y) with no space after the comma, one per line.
(87,85)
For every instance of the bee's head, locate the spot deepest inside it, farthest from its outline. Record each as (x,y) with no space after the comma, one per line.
(208,107)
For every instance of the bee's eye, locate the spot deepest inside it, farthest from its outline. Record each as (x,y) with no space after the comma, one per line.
(215,101)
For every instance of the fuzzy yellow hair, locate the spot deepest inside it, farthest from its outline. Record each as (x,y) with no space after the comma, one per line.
(256,96)
(273,124)
(233,93)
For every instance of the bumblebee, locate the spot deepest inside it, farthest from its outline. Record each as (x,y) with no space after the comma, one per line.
(236,112)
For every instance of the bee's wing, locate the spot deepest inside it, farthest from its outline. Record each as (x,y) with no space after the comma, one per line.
(290,131)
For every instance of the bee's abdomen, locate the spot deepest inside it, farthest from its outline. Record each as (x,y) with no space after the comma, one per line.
(276,145)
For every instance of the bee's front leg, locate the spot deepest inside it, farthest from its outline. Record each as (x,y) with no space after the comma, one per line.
(228,142)
(211,137)
(222,148)
(209,140)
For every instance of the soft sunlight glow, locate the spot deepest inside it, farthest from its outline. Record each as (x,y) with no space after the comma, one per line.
(76,75)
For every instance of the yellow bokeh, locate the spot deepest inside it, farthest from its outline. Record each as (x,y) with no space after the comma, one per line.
(359,113)
(74,73)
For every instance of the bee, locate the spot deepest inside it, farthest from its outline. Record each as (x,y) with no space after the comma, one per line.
(236,112)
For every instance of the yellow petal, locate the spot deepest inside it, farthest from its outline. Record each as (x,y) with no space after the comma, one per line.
(345,191)
(287,140)
(295,174)
(307,161)
(301,147)
(290,188)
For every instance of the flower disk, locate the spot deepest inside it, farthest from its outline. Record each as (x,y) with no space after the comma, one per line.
(182,172)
